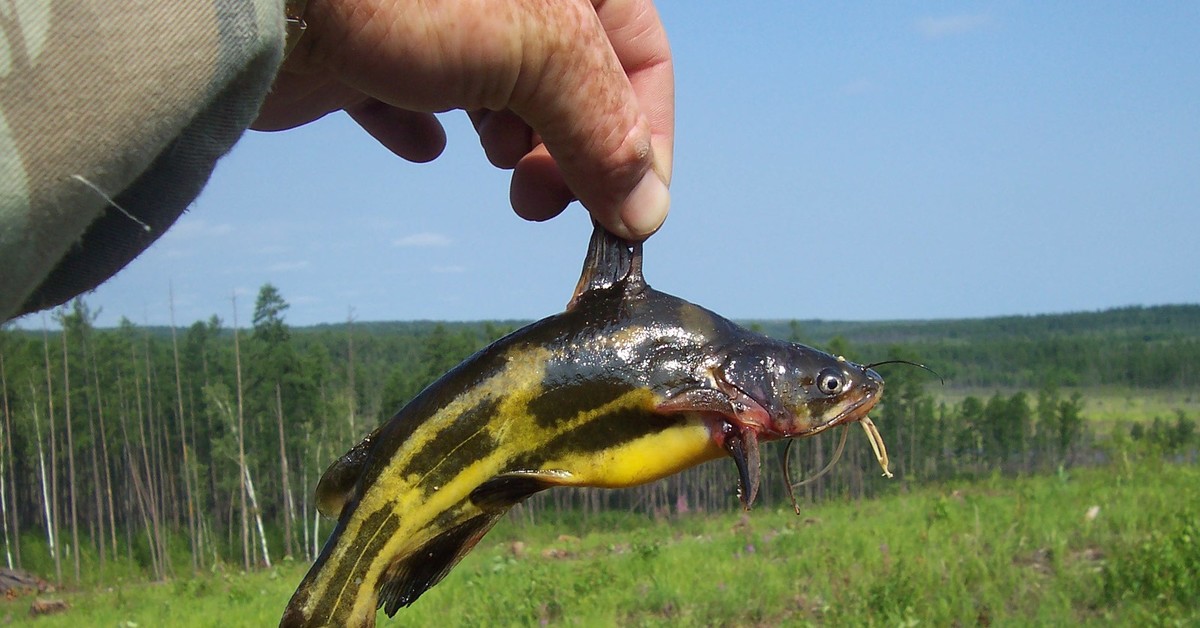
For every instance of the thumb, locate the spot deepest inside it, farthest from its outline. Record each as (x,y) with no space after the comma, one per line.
(597,89)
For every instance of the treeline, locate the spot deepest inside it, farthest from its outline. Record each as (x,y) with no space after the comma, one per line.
(1138,347)
(176,449)
(186,449)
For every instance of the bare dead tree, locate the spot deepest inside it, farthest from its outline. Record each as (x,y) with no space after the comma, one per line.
(46,506)
(187,476)
(11,473)
(241,442)
(53,451)
(70,451)
(108,492)
(289,504)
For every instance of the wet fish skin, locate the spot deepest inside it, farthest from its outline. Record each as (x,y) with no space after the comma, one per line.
(627,386)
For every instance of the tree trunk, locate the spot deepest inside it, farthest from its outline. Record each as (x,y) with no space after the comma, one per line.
(53,504)
(49,518)
(3,496)
(70,454)
(97,520)
(304,505)
(108,492)
(186,467)
(156,483)
(141,496)
(148,499)
(12,482)
(289,504)
(257,516)
(241,441)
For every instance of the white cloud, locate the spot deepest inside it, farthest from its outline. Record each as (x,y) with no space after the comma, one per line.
(947,26)
(284,267)
(424,238)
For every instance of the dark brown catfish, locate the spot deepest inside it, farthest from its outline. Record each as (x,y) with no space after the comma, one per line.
(627,386)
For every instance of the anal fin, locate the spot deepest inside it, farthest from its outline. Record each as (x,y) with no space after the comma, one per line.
(406,579)
(412,576)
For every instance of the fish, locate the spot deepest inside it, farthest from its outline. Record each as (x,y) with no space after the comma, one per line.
(626,386)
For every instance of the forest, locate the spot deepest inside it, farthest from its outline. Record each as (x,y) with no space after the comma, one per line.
(158,451)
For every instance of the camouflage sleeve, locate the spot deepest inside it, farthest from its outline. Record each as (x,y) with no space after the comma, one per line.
(112,116)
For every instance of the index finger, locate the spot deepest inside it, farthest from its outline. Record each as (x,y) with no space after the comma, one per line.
(639,40)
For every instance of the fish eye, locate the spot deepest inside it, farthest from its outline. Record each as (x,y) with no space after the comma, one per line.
(829,381)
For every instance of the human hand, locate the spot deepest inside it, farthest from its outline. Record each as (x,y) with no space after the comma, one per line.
(576,98)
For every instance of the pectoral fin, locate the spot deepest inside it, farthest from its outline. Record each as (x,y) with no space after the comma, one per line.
(742,446)
(734,419)
(504,491)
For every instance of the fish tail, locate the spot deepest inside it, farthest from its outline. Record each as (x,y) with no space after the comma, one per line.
(312,606)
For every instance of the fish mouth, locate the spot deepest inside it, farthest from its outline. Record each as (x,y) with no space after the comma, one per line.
(856,412)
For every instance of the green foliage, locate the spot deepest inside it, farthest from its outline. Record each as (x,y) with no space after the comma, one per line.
(268,316)
(1012,404)
(992,551)
(1161,567)
(1165,436)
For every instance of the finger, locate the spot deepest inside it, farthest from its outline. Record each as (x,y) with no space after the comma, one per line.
(579,99)
(413,135)
(504,136)
(538,191)
(640,43)
(295,100)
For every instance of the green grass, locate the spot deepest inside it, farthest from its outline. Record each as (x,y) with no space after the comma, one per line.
(1000,551)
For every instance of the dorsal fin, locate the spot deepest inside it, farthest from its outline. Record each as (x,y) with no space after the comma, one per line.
(337,484)
(609,260)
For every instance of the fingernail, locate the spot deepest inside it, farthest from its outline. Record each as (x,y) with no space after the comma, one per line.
(646,207)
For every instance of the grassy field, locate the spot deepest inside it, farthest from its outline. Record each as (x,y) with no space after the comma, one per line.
(1002,551)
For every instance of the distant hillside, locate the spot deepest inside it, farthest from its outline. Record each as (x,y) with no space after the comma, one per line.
(1144,347)
(1144,323)
(1141,347)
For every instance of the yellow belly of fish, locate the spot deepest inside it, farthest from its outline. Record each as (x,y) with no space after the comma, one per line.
(642,460)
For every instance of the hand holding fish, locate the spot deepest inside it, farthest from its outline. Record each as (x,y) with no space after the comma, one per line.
(576,98)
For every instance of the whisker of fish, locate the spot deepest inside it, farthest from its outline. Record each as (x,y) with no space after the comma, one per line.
(916,364)
(787,479)
(876,444)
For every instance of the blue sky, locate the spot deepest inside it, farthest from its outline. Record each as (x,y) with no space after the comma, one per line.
(840,161)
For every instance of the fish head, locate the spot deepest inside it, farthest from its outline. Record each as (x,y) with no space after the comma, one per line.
(787,390)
